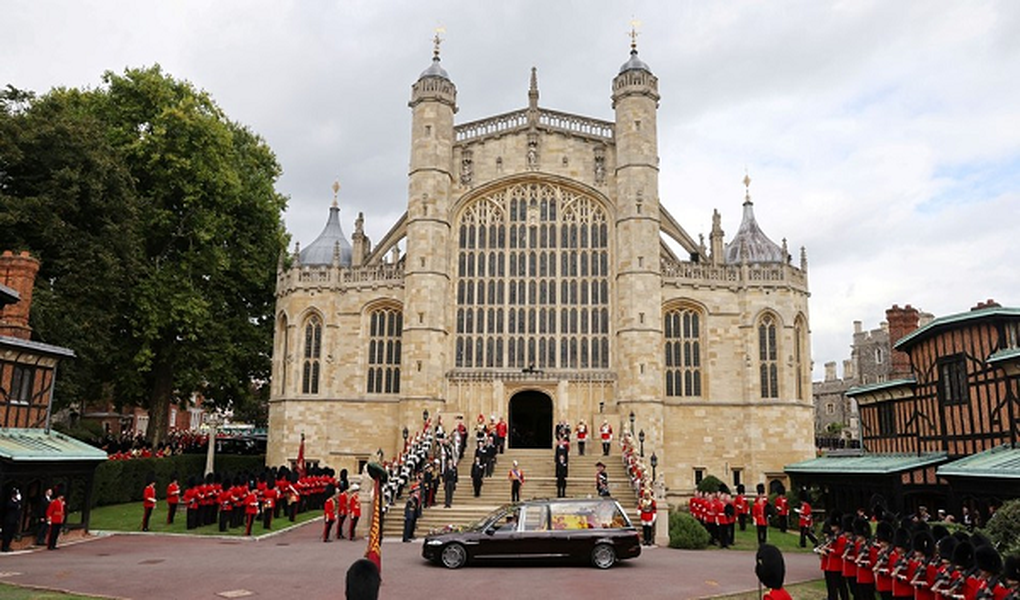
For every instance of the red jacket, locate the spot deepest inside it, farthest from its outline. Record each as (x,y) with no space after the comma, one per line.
(354,505)
(55,512)
(329,509)
(149,496)
(173,493)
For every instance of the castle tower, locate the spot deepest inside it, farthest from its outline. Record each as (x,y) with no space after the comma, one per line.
(18,273)
(433,104)
(639,277)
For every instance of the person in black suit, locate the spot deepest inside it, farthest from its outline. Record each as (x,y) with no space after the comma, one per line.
(561,476)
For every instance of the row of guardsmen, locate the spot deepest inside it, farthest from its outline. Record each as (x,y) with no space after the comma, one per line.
(909,559)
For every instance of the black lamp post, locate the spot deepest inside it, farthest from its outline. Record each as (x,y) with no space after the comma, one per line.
(425,415)
(380,454)
(405,434)
(655,462)
(641,438)
(602,405)
(632,422)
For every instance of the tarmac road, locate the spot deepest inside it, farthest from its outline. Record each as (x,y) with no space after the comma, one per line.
(296,564)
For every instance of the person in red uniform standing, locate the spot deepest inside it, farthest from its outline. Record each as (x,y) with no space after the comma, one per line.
(148,501)
(251,509)
(341,509)
(606,433)
(759,513)
(783,513)
(501,432)
(225,499)
(649,512)
(882,566)
(55,517)
(353,509)
(806,521)
(899,561)
(741,506)
(832,557)
(866,553)
(771,571)
(923,567)
(173,498)
(269,498)
(582,437)
(329,512)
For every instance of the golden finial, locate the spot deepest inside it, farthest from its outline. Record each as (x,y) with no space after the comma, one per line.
(634,24)
(437,40)
(336,190)
(747,186)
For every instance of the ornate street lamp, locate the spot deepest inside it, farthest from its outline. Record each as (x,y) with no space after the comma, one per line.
(602,405)
(405,433)
(632,422)
(655,462)
(641,438)
(425,415)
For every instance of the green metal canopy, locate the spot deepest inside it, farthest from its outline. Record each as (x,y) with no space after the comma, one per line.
(1001,462)
(36,445)
(870,464)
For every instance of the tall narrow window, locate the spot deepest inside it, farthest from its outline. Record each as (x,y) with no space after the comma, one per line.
(384,335)
(313,351)
(953,380)
(799,350)
(682,329)
(768,363)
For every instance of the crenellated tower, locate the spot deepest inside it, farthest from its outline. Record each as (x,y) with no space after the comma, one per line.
(433,104)
(639,276)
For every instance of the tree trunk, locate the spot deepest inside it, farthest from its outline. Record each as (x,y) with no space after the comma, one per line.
(159,402)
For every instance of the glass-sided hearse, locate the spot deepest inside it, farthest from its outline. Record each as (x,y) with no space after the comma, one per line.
(595,530)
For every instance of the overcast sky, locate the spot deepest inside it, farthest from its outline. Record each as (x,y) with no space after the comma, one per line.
(882,136)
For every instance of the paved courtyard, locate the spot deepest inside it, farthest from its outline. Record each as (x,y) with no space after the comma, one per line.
(296,564)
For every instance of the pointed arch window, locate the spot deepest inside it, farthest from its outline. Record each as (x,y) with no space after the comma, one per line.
(312,355)
(384,335)
(682,328)
(768,363)
(799,351)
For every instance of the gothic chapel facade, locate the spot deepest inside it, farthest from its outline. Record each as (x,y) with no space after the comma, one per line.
(536,284)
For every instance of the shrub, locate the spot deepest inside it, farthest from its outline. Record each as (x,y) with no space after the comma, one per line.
(710,484)
(1004,528)
(686,533)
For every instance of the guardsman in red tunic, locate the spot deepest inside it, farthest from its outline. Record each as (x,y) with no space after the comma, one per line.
(882,566)
(329,512)
(191,503)
(353,509)
(225,499)
(867,553)
(173,498)
(269,498)
(806,521)
(55,517)
(741,506)
(850,555)
(899,562)
(582,437)
(771,571)
(989,568)
(251,509)
(341,509)
(759,513)
(148,501)
(783,514)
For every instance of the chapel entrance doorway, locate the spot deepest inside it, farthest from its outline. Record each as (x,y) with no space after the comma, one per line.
(531,420)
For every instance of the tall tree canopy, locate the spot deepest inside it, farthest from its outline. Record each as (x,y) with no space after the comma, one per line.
(158,227)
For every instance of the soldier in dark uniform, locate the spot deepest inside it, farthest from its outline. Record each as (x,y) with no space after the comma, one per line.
(12,519)
(601,479)
(561,477)
(477,475)
(449,483)
(411,508)
(40,515)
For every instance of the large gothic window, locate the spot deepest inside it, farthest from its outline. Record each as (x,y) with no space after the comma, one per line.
(768,363)
(533,280)
(385,326)
(799,351)
(682,329)
(312,353)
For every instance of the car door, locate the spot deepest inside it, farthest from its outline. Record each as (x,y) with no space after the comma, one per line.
(500,539)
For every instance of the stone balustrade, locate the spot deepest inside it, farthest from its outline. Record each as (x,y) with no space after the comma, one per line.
(547,119)
(334,277)
(772,274)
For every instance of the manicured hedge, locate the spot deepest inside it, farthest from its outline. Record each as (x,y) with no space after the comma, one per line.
(120,481)
(686,532)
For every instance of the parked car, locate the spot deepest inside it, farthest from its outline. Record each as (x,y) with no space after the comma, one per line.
(595,530)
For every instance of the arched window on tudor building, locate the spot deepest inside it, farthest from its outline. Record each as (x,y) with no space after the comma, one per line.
(384,331)
(768,363)
(312,355)
(682,328)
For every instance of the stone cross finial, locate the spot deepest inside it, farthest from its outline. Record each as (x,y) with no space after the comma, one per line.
(336,191)
(747,187)
(437,40)
(634,24)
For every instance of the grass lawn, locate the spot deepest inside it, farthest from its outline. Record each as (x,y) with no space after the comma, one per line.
(787,542)
(812,590)
(10,592)
(128,517)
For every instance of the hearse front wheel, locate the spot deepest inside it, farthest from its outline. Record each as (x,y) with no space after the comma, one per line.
(454,556)
(603,556)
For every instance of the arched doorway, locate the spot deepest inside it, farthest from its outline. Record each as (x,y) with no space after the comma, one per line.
(531,424)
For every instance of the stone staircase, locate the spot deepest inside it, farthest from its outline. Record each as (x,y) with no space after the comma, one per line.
(540,482)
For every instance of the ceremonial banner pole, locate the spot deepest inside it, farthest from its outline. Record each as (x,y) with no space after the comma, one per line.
(374,550)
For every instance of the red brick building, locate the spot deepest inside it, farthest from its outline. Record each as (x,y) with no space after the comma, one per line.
(945,427)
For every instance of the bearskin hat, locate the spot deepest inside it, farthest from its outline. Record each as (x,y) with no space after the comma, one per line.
(740,488)
(760,488)
(884,532)
(987,559)
(1011,568)
(770,567)
(946,546)
(862,527)
(924,543)
(848,522)
(963,555)
(902,538)
(939,532)
(724,489)
(979,539)
(330,490)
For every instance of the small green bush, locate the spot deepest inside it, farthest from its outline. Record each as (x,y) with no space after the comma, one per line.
(686,532)
(710,484)
(1004,528)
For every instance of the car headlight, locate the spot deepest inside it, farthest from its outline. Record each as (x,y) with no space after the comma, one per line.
(434,542)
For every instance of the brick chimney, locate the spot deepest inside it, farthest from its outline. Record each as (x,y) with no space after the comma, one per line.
(18,273)
(901,322)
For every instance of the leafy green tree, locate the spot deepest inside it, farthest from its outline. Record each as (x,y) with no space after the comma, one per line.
(202,231)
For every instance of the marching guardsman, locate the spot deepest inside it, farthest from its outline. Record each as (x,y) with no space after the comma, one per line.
(55,513)
(783,512)
(329,512)
(881,566)
(866,553)
(191,503)
(771,571)
(353,509)
(831,553)
(741,506)
(173,498)
(648,510)
(805,522)
(268,503)
(606,434)
(148,501)
(989,570)
(226,502)
(759,514)
(1010,581)
(251,509)
(899,561)
(341,513)
(849,555)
